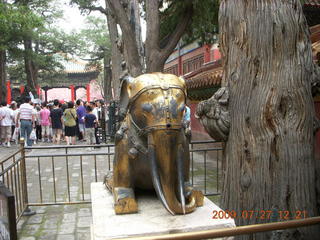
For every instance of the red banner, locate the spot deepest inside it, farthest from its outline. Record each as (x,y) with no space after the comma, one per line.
(88,92)
(72,93)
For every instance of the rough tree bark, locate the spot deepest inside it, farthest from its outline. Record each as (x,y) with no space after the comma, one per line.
(30,67)
(116,57)
(107,78)
(2,75)
(269,160)
(132,54)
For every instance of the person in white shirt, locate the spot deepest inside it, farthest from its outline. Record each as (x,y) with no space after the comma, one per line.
(26,120)
(15,131)
(6,117)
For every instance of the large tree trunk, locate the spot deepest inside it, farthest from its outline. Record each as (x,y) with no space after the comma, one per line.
(30,68)
(116,57)
(131,50)
(107,77)
(2,75)
(269,153)
(134,17)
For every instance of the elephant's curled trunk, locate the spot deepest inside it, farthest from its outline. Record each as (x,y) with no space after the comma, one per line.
(167,170)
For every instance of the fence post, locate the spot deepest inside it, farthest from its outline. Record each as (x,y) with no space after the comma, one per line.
(27,211)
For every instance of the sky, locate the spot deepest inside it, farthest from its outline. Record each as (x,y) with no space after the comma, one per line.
(72,17)
(74,20)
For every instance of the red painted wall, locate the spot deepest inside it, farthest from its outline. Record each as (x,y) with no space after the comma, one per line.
(317,137)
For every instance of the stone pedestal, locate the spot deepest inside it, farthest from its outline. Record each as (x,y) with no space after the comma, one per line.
(152,218)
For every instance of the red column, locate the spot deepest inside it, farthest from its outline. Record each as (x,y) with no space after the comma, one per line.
(8,93)
(88,92)
(21,89)
(38,91)
(72,92)
(206,53)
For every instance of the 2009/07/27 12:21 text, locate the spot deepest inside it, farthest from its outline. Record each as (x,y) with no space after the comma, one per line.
(259,214)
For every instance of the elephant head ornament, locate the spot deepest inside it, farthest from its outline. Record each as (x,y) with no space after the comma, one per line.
(151,149)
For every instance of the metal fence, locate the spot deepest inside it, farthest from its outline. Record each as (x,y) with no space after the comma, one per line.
(62,174)
(13,177)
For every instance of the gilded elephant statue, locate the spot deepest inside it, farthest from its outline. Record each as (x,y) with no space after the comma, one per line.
(151,149)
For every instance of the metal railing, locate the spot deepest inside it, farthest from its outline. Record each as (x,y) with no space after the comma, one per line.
(64,173)
(209,168)
(234,231)
(13,177)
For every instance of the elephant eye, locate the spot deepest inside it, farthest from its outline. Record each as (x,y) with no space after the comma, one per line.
(147,107)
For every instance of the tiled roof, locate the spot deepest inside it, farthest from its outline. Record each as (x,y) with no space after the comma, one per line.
(313,3)
(209,75)
(72,65)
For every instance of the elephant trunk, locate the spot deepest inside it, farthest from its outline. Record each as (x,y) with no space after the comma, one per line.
(167,170)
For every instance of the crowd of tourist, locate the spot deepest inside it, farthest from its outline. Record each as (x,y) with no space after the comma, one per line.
(51,122)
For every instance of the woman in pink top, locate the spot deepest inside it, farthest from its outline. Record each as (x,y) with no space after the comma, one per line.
(45,122)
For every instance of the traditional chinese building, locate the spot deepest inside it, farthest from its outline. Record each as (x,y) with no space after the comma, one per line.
(76,81)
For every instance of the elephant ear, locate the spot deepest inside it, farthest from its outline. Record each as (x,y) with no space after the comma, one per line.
(124,96)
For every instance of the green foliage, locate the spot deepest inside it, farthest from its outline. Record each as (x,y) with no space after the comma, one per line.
(34,20)
(95,34)
(15,22)
(204,22)
(96,38)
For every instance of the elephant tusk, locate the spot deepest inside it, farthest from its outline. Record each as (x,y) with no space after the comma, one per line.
(180,170)
(156,179)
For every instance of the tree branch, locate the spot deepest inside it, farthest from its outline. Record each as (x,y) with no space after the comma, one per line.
(100,9)
(177,33)
(153,24)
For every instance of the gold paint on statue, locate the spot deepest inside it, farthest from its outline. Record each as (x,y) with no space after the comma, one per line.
(152,151)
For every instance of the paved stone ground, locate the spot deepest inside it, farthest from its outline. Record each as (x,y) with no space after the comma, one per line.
(72,222)
(58,222)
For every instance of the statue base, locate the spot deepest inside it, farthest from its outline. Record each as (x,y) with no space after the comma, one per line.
(152,218)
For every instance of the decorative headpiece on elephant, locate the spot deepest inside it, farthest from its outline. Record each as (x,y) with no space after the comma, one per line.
(151,148)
